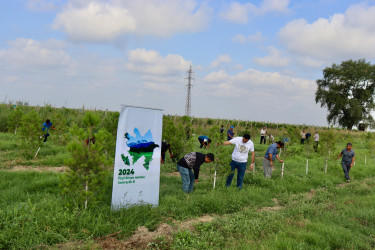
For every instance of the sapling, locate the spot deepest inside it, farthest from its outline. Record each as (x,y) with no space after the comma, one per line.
(15,118)
(30,131)
(88,163)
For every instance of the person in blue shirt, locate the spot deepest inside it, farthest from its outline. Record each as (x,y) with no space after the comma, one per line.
(45,127)
(230,133)
(204,141)
(269,158)
(348,159)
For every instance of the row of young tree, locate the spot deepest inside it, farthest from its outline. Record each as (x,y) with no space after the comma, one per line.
(91,163)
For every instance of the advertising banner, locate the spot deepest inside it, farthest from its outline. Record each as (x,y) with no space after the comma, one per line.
(136,176)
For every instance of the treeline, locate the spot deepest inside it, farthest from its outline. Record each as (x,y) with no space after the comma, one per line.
(63,118)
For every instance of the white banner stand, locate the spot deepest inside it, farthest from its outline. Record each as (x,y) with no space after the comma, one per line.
(136,176)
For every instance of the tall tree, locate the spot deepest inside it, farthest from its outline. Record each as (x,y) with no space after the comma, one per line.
(347,90)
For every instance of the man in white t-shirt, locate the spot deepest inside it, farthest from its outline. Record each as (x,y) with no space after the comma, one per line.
(239,158)
(316,140)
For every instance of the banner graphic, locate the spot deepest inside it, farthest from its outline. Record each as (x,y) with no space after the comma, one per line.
(136,176)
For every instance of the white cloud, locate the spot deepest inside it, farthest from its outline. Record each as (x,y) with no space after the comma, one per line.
(342,36)
(274,5)
(256,38)
(96,22)
(31,53)
(256,84)
(275,59)
(239,13)
(152,62)
(221,59)
(106,21)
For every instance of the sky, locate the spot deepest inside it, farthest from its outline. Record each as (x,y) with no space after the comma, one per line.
(252,60)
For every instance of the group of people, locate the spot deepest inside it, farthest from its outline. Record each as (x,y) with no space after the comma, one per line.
(189,165)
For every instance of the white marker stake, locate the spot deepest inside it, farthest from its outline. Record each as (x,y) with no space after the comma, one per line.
(282,170)
(37,152)
(215,179)
(325,168)
(307,166)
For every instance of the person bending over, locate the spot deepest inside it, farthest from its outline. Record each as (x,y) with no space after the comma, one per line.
(189,162)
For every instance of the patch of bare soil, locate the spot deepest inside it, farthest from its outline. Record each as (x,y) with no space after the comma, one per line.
(38,169)
(274,208)
(310,194)
(142,237)
(189,224)
(139,240)
(172,174)
(341,185)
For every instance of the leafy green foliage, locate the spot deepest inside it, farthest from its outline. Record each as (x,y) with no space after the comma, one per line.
(176,136)
(31,132)
(88,163)
(14,120)
(347,90)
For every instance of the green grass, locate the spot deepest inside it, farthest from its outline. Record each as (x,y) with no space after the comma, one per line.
(33,214)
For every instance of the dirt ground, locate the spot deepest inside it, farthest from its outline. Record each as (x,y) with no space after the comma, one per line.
(37,169)
(142,237)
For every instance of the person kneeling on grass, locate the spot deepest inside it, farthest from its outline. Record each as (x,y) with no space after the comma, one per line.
(239,158)
(191,161)
(270,156)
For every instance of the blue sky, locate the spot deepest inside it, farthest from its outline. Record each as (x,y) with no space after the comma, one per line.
(252,60)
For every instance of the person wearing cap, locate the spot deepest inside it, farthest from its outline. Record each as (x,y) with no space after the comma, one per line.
(269,158)
(204,141)
(230,133)
(189,162)
(348,159)
(239,158)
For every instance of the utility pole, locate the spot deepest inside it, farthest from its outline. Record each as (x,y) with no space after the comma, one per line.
(188,96)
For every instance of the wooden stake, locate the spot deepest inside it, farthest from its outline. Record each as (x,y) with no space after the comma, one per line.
(87,188)
(325,167)
(215,179)
(307,166)
(37,152)
(282,170)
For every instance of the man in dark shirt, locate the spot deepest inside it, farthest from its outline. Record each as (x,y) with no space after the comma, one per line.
(230,133)
(348,159)
(165,146)
(204,141)
(191,161)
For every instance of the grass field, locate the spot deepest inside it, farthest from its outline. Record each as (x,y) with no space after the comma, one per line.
(298,211)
